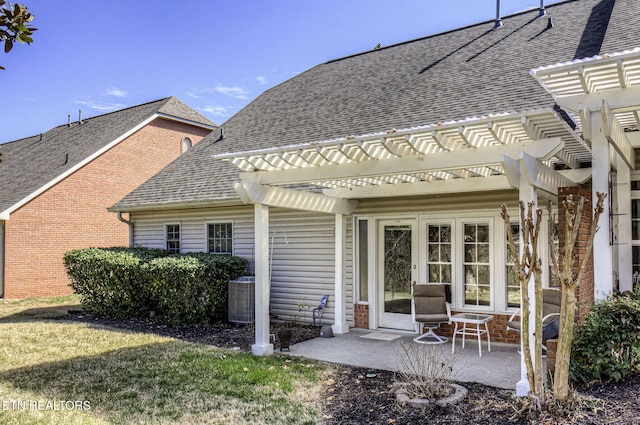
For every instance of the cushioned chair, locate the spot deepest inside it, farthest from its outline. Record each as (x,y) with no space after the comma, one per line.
(550,316)
(431,309)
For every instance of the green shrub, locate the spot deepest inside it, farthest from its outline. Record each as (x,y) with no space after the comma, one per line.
(607,344)
(124,283)
(108,281)
(192,288)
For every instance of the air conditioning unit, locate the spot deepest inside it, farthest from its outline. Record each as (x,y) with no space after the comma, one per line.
(241,306)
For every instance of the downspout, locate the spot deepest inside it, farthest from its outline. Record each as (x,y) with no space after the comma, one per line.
(130,224)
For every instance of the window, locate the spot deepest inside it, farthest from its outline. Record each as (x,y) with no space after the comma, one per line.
(186,144)
(635,238)
(173,237)
(220,238)
(513,283)
(439,253)
(477,265)
(363,259)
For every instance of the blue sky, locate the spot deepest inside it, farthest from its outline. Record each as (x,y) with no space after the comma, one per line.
(214,55)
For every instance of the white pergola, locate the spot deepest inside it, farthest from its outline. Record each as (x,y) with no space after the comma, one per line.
(509,151)
(603,93)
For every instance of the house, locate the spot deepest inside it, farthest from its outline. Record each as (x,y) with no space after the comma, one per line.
(370,172)
(57,185)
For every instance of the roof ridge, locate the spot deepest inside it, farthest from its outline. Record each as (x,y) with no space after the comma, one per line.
(165,99)
(451,31)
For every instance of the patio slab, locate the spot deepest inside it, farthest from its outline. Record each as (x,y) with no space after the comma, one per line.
(378,350)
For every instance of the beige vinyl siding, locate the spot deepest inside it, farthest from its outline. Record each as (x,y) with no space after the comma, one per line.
(441,203)
(302,246)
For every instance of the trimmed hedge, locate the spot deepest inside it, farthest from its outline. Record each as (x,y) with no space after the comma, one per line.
(129,282)
(607,344)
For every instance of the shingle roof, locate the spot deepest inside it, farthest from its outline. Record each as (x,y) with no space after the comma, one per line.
(453,75)
(29,164)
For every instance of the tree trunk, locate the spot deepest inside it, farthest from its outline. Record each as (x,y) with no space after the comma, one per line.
(538,383)
(565,339)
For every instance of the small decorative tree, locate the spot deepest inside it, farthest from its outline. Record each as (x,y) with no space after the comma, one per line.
(569,273)
(527,266)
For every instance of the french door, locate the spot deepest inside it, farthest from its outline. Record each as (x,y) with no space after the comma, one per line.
(396,273)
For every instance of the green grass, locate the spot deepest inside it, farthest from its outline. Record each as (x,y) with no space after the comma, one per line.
(130,378)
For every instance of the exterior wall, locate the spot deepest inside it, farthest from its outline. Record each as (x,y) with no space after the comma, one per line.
(497,327)
(302,246)
(585,288)
(73,214)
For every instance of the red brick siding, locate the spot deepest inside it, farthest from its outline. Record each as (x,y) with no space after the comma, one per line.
(73,214)
(497,327)
(584,290)
(361,316)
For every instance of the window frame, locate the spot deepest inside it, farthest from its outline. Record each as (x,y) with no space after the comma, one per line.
(208,238)
(479,221)
(168,240)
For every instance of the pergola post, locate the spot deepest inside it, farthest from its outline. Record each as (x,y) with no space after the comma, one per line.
(340,316)
(603,257)
(263,346)
(527,194)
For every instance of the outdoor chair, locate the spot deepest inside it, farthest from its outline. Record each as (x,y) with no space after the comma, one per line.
(550,316)
(431,309)
(318,312)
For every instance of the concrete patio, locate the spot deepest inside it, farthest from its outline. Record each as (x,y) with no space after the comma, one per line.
(378,350)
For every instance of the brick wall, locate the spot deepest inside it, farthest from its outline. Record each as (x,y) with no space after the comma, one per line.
(497,327)
(73,214)
(361,316)
(584,290)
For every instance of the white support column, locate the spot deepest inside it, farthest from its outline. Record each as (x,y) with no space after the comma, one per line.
(602,252)
(340,316)
(623,186)
(528,194)
(263,346)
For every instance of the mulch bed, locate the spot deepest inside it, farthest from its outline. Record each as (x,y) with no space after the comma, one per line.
(365,396)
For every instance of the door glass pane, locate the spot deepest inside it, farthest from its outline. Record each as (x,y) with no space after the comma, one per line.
(397,269)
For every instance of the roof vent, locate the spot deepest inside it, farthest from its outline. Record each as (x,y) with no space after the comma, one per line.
(79,116)
(542,9)
(68,120)
(550,23)
(498,22)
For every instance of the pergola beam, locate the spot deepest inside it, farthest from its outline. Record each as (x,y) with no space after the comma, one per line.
(440,161)
(541,176)
(252,193)
(473,184)
(615,134)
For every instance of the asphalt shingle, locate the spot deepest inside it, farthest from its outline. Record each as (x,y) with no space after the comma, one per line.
(29,164)
(454,75)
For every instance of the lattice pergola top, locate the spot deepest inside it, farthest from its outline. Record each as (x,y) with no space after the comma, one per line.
(469,134)
(596,75)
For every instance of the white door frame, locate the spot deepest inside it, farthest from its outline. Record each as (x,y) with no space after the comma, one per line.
(395,320)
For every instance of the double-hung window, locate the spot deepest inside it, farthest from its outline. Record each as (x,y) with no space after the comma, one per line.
(172,237)
(477,265)
(512,279)
(220,238)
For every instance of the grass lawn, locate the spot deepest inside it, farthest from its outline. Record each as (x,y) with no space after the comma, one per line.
(59,372)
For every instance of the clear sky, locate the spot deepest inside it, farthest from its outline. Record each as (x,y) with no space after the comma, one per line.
(214,55)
